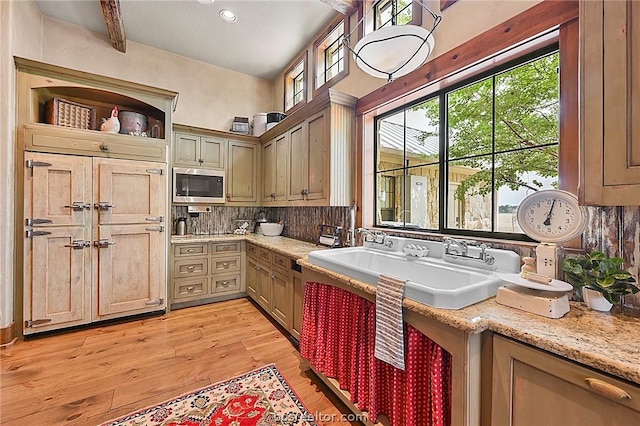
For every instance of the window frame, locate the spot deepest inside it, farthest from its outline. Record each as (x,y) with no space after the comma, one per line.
(318,51)
(290,82)
(368,7)
(443,160)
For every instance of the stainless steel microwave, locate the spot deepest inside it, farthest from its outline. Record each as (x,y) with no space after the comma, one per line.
(198,186)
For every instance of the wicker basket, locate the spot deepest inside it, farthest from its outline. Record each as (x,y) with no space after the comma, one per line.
(62,112)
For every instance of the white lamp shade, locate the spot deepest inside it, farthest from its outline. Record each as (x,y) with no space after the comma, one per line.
(388,48)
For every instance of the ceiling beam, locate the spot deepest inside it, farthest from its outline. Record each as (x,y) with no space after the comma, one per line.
(115,26)
(346,7)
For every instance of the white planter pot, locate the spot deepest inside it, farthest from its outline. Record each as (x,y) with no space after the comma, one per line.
(595,300)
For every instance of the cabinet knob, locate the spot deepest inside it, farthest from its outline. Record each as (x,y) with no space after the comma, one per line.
(606,389)
(104,148)
(191,268)
(190,289)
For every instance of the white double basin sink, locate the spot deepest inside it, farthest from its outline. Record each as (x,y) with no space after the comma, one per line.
(431,280)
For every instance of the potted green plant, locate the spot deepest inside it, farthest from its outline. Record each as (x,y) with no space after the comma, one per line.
(594,272)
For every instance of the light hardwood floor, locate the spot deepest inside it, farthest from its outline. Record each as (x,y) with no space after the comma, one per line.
(89,376)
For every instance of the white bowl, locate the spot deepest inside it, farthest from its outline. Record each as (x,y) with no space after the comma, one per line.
(271,229)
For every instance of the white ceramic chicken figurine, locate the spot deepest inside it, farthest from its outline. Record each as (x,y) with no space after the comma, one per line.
(111,125)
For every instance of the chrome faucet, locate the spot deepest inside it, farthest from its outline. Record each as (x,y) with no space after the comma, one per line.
(461,247)
(461,250)
(377,237)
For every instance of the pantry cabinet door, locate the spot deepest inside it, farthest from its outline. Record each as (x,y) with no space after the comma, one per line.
(130,270)
(129,191)
(57,279)
(57,189)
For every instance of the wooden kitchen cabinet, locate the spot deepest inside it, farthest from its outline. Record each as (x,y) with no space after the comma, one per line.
(207,272)
(275,175)
(609,102)
(270,284)
(84,261)
(242,173)
(200,151)
(321,152)
(532,387)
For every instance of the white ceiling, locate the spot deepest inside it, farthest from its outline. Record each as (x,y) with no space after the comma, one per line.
(266,37)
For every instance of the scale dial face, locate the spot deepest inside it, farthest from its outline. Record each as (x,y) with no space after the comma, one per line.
(551,216)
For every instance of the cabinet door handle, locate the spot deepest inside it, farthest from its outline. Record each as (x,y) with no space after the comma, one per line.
(190,250)
(224,283)
(225,265)
(273,277)
(104,148)
(606,389)
(104,205)
(191,268)
(190,289)
(224,248)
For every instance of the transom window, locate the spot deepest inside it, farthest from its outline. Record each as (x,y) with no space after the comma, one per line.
(462,159)
(295,83)
(329,54)
(392,12)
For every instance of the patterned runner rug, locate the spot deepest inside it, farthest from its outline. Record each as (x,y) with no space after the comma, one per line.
(259,398)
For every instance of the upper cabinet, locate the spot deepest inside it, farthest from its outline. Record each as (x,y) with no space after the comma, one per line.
(199,151)
(610,102)
(315,158)
(61,110)
(242,173)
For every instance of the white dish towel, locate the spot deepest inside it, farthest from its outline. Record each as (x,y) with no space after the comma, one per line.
(389,345)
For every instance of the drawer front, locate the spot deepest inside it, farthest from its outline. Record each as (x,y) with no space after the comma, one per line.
(185,268)
(189,250)
(189,289)
(252,251)
(233,247)
(223,284)
(264,254)
(52,140)
(225,264)
(281,262)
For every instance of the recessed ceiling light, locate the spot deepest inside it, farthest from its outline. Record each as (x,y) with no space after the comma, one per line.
(228,16)
(205,1)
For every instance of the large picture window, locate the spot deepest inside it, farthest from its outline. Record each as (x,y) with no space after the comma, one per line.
(462,159)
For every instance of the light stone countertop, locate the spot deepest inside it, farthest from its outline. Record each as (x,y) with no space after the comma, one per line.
(604,341)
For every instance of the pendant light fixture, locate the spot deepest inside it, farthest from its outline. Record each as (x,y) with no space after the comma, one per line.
(393,51)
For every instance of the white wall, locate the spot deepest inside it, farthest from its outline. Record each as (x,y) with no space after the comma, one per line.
(460,23)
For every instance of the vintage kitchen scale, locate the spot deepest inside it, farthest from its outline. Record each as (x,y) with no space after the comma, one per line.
(552,217)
